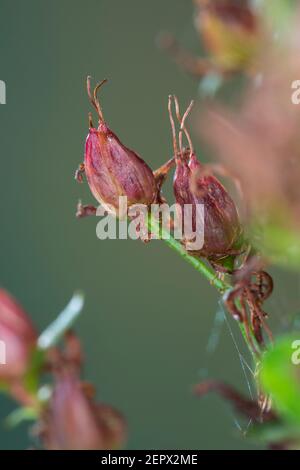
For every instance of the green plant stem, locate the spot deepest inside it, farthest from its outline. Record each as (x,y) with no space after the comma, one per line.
(222,286)
(197,263)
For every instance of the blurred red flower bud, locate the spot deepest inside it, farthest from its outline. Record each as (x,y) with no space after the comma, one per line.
(18,337)
(113,170)
(231,34)
(74,422)
(230,31)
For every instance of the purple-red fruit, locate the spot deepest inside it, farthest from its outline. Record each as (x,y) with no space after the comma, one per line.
(74,422)
(192,185)
(113,170)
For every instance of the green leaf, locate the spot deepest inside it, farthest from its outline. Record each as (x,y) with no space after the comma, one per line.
(279,14)
(274,235)
(20,415)
(31,379)
(274,432)
(282,245)
(280,377)
(227,263)
(4,387)
(63,322)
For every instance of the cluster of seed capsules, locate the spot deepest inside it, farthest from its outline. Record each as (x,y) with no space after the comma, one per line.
(113,171)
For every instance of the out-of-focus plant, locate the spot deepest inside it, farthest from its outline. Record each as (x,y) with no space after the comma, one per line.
(230,33)
(280,377)
(275,423)
(45,380)
(259,145)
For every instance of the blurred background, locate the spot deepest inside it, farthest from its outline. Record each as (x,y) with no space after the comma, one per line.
(148,321)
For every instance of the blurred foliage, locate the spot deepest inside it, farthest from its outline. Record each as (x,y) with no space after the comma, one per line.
(278,242)
(280,378)
(278,13)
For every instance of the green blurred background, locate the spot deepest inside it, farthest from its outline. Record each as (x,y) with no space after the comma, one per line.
(148,316)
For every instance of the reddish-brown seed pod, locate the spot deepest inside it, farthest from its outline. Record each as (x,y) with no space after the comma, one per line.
(221,224)
(18,337)
(113,170)
(74,422)
(193,185)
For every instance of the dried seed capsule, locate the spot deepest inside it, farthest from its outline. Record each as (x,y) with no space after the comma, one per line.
(17,335)
(113,170)
(221,225)
(193,185)
(74,422)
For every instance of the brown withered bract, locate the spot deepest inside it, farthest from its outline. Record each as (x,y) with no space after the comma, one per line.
(257,411)
(246,299)
(113,170)
(72,419)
